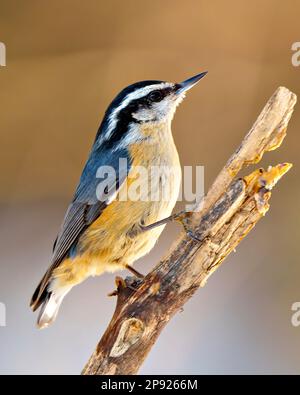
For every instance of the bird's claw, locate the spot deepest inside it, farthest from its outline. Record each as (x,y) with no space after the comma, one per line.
(184,220)
(121,283)
(192,235)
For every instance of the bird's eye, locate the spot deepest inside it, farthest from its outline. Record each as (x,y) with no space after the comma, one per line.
(155,96)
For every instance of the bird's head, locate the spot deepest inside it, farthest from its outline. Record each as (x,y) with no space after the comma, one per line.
(143,102)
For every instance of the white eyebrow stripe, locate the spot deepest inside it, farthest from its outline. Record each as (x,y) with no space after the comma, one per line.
(137,94)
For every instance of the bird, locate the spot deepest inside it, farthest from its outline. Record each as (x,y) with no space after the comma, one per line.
(102,232)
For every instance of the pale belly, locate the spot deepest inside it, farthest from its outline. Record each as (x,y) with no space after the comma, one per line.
(113,240)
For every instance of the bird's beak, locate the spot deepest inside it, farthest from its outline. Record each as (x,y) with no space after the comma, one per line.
(189,83)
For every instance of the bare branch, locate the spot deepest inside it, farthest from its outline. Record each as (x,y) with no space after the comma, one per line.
(228,212)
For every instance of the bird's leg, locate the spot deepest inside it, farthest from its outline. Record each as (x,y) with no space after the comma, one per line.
(181,217)
(164,221)
(134,272)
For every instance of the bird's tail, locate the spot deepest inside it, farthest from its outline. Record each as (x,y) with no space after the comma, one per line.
(48,298)
(49,308)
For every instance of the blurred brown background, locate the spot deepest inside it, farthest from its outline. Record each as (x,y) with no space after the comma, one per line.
(66,60)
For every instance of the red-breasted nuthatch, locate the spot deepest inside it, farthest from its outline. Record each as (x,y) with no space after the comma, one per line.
(102,232)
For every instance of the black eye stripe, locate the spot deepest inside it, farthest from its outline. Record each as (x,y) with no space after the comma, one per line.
(147,101)
(125,116)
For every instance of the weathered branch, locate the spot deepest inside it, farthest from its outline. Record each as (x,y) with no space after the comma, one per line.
(228,212)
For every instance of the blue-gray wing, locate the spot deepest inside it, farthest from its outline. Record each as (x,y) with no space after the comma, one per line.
(88,203)
(101,178)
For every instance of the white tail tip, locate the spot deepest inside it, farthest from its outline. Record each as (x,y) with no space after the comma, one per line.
(49,310)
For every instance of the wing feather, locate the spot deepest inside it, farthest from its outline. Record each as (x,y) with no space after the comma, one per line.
(86,205)
(85,208)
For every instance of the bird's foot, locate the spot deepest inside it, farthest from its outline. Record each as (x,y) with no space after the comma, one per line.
(120,283)
(184,219)
(130,284)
